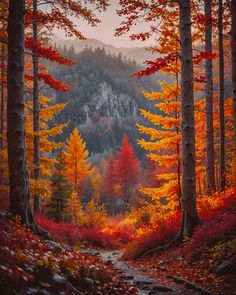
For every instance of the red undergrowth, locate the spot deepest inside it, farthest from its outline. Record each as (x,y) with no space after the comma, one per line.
(73,234)
(28,265)
(197,258)
(218,214)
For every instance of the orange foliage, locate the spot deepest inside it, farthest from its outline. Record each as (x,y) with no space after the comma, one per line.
(164,145)
(160,228)
(75,160)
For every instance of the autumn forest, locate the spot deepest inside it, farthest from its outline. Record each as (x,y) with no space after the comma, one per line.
(117,164)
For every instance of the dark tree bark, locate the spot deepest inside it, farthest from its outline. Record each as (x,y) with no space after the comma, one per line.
(179,173)
(210,157)
(2,96)
(127,193)
(18,170)
(36,108)
(188,199)
(178,131)
(179,161)
(233,61)
(221,97)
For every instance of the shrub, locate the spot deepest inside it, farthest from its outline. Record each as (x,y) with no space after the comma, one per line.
(165,231)
(163,228)
(60,231)
(95,214)
(74,234)
(211,206)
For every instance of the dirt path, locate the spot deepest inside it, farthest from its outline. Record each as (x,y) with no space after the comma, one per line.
(138,277)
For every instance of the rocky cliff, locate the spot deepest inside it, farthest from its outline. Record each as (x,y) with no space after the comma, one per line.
(106,103)
(105,98)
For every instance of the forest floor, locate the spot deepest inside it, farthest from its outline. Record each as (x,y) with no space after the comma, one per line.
(169,273)
(142,279)
(30,265)
(198,277)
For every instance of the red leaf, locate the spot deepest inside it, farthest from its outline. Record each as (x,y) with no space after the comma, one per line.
(155,66)
(46,52)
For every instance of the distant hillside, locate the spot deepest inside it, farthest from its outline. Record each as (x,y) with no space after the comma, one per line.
(105,98)
(139,54)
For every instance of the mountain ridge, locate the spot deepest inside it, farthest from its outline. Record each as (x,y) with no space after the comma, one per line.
(139,54)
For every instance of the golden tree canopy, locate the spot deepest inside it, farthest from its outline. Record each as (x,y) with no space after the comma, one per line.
(76,159)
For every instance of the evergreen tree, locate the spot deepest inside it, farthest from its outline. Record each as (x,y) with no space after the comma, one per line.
(60,194)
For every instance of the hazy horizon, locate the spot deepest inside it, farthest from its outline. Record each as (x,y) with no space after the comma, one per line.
(106,29)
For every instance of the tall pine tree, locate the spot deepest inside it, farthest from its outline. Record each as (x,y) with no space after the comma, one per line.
(61,191)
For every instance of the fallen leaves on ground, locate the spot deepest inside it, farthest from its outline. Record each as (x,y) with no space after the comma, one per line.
(29,265)
(201,272)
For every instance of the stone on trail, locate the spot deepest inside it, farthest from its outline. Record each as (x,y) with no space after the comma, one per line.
(59,280)
(162,288)
(127,277)
(89,282)
(227,267)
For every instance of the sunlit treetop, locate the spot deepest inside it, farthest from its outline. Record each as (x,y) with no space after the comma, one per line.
(76,159)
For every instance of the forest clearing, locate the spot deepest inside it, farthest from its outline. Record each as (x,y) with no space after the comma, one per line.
(117,147)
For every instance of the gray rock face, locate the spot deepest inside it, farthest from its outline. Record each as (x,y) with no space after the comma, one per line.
(106,103)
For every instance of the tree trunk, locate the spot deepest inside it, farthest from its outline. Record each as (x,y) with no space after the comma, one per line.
(179,174)
(36,108)
(18,170)
(217,176)
(233,61)
(210,159)
(188,199)
(2,97)
(221,97)
(126,194)
(204,183)
(177,132)
(199,186)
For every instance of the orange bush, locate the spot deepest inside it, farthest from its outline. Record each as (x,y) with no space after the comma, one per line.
(211,209)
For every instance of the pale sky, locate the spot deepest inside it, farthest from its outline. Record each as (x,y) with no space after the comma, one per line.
(106,29)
